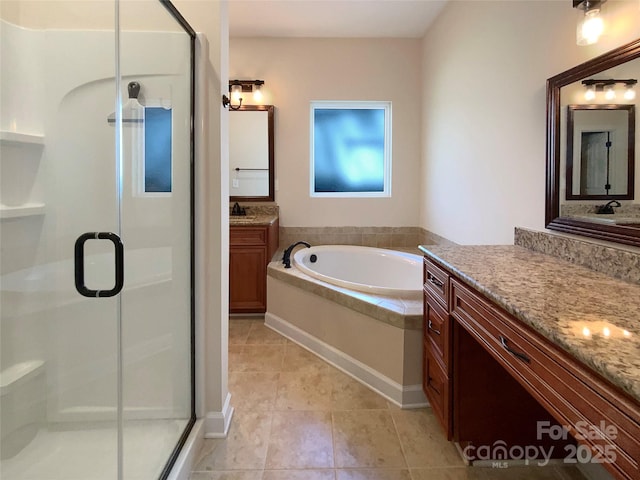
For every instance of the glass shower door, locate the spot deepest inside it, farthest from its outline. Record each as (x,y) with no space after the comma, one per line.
(94,387)
(156,84)
(59,362)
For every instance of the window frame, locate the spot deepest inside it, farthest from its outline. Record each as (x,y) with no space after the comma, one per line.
(387,155)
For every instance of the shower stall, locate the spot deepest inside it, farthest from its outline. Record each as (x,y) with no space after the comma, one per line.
(96,238)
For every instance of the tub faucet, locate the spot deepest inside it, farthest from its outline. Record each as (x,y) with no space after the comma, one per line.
(608,208)
(286,258)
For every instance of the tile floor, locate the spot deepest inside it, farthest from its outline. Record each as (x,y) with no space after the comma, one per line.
(298,418)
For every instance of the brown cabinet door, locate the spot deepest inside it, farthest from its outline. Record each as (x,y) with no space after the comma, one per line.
(247,275)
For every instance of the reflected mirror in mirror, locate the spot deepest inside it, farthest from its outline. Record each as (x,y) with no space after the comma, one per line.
(576,154)
(251,162)
(600,152)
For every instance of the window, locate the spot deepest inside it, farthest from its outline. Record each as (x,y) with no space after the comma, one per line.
(350,149)
(157,150)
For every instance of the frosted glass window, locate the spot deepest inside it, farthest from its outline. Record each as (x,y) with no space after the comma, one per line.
(350,149)
(157,150)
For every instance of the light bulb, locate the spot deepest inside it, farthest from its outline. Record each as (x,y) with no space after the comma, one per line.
(590,28)
(590,93)
(257,93)
(609,92)
(236,92)
(629,93)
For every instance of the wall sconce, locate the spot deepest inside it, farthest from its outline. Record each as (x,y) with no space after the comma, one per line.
(608,87)
(237,88)
(590,23)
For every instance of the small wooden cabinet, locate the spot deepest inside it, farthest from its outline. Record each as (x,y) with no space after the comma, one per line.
(251,248)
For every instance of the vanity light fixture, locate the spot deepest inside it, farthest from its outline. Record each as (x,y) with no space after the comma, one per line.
(590,23)
(237,88)
(608,87)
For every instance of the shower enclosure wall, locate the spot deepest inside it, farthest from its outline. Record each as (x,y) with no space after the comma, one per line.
(97,387)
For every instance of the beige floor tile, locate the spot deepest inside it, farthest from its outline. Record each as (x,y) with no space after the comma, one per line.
(569,473)
(229,475)
(519,473)
(423,442)
(303,391)
(245,447)
(300,440)
(348,394)
(256,358)
(253,391)
(262,335)
(448,473)
(239,331)
(299,475)
(366,438)
(297,359)
(373,474)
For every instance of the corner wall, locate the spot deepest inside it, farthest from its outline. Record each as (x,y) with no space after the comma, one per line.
(484,71)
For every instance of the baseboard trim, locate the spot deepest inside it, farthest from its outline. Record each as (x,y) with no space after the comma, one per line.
(404,396)
(217,423)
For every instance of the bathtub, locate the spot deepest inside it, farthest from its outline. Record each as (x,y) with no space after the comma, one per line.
(369,329)
(364,269)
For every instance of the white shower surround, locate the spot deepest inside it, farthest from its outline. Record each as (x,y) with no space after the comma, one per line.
(43,318)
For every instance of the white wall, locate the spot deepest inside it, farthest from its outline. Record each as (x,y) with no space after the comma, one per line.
(299,70)
(484,68)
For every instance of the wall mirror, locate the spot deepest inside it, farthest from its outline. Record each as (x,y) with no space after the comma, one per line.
(567,209)
(251,153)
(600,155)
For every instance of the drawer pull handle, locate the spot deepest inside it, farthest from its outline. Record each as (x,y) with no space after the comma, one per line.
(435,281)
(437,332)
(515,353)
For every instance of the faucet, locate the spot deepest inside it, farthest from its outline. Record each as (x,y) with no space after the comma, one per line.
(286,258)
(237,210)
(608,208)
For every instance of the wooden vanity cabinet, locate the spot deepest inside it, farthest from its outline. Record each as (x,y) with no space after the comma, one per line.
(491,378)
(251,248)
(436,364)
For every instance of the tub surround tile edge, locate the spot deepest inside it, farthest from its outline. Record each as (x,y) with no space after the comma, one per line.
(400,313)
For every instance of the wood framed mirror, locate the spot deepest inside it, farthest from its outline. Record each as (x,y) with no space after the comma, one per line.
(251,154)
(577,216)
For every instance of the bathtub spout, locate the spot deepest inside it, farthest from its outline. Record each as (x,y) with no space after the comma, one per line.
(286,258)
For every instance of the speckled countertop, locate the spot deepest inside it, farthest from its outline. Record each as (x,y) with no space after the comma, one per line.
(593,317)
(250,220)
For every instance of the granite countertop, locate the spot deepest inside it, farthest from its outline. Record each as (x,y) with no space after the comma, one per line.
(249,220)
(593,317)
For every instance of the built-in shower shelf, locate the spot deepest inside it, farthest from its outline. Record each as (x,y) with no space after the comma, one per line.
(7,137)
(26,210)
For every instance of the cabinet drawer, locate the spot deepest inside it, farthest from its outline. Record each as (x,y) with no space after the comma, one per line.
(436,386)
(574,395)
(436,282)
(247,236)
(437,330)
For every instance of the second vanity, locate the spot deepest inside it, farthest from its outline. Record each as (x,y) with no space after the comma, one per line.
(253,240)
(525,353)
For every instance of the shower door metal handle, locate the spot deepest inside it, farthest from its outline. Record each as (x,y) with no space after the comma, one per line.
(79,264)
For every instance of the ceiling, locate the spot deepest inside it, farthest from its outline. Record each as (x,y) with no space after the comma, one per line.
(332,18)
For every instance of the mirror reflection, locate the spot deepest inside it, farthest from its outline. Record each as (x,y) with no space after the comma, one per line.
(600,152)
(251,152)
(598,138)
